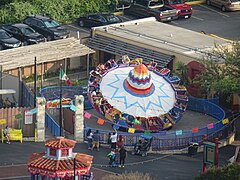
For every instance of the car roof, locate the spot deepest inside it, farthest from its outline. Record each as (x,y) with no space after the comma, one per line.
(38,16)
(2,30)
(102,14)
(19,25)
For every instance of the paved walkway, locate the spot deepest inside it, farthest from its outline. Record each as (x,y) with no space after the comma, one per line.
(14,157)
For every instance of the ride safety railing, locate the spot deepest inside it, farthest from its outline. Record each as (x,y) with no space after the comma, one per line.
(171,140)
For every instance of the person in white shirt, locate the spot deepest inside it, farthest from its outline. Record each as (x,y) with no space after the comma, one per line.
(7,134)
(114,140)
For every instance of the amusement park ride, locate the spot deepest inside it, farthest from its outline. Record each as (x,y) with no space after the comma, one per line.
(137,95)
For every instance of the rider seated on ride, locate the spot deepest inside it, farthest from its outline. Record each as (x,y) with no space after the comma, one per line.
(125,60)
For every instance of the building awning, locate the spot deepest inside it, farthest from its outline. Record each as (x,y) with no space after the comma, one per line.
(44,52)
(121,48)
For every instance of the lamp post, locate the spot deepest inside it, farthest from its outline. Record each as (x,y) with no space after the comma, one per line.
(74,168)
(60,103)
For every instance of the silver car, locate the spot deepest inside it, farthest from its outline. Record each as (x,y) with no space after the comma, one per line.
(225,5)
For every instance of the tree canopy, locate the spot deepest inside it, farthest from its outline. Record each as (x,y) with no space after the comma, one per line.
(221,71)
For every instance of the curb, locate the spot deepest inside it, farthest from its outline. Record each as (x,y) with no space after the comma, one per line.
(228,40)
(196,2)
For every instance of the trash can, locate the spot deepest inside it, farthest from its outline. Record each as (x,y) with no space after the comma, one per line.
(192,149)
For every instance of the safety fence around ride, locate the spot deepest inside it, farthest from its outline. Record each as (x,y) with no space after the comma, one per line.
(167,140)
(162,141)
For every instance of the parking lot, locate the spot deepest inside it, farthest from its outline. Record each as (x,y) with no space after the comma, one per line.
(205,18)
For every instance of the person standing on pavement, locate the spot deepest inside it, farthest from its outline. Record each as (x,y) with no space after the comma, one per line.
(123,155)
(96,140)
(90,139)
(114,140)
(7,134)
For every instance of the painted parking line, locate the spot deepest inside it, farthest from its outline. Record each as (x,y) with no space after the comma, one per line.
(200,19)
(214,10)
(78,28)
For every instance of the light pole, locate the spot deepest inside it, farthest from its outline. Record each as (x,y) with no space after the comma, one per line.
(60,103)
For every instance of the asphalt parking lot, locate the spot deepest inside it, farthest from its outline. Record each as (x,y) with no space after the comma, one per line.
(205,18)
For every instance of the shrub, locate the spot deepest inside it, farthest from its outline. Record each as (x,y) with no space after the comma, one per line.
(229,172)
(128,176)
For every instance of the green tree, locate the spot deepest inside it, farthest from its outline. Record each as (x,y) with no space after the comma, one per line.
(221,71)
(181,71)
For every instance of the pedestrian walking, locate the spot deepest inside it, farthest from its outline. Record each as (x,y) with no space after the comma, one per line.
(114,140)
(123,155)
(96,140)
(90,139)
(7,134)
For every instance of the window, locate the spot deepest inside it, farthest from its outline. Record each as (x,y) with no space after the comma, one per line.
(65,152)
(52,152)
(51,23)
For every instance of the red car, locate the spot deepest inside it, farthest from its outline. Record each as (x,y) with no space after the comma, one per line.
(185,10)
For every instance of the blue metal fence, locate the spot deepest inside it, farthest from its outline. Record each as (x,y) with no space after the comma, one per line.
(166,140)
(52,125)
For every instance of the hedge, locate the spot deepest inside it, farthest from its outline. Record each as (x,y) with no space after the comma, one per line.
(64,11)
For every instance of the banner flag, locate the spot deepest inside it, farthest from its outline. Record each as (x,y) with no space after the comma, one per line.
(179,132)
(210,126)
(147,132)
(225,121)
(115,126)
(87,115)
(100,121)
(194,130)
(131,130)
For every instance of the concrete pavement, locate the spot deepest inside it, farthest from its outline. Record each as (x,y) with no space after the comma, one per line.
(13,159)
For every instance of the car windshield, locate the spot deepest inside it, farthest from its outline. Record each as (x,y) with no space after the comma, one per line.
(4,35)
(27,31)
(51,23)
(112,19)
(176,1)
(155,3)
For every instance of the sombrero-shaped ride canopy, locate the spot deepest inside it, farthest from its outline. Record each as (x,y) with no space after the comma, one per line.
(137,90)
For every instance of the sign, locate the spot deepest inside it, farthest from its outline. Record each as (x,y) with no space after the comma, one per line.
(18,116)
(3,121)
(225,121)
(209,153)
(28,117)
(210,126)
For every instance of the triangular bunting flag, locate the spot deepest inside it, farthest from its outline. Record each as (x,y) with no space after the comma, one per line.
(194,130)
(210,126)
(131,130)
(100,121)
(87,115)
(225,121)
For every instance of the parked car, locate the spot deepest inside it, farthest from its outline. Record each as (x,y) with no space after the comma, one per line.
(155,8)
(8,41)
(185,10)
(24,33)
(100,19)
(225,5)
(47,26)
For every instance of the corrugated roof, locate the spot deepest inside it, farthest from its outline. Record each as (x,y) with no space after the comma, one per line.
(44,52)
(121,48)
